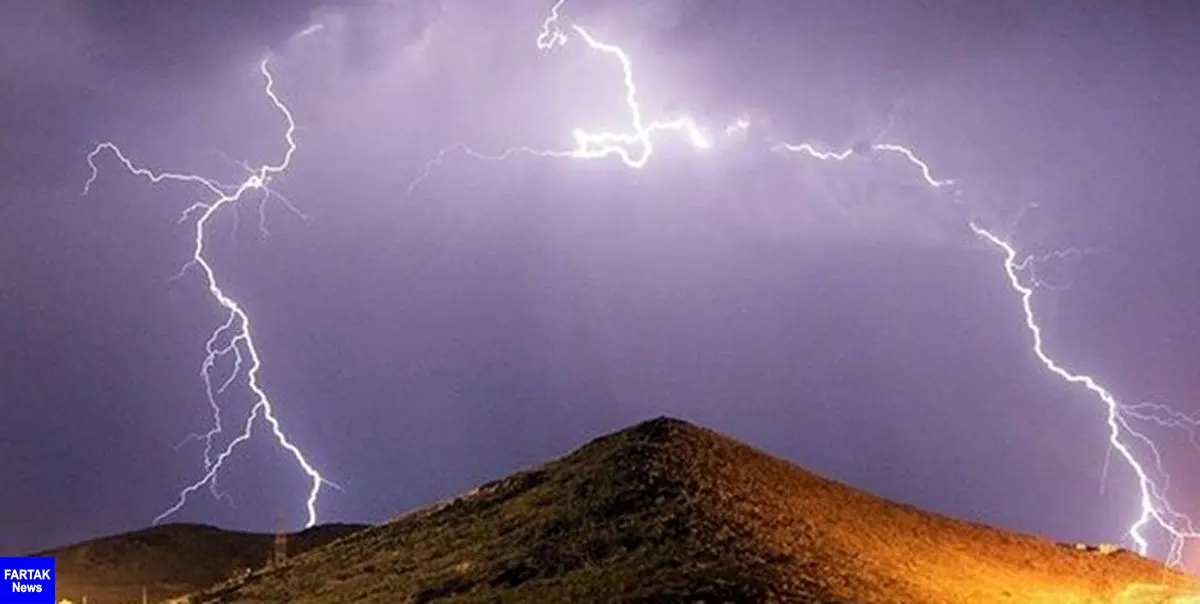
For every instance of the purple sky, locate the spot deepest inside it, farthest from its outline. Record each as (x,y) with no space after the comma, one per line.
(839,315)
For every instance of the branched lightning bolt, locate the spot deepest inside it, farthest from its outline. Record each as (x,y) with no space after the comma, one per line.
(1165,417)
(233,337)
(551,35)
(1031,263)
(1152,480)
(634,148)
(268,192)
(1155,507)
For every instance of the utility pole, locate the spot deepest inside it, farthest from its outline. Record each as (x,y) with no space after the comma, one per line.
(280,553)
(144,601)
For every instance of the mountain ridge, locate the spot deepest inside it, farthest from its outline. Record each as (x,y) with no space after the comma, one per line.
(170,560)
(669,511)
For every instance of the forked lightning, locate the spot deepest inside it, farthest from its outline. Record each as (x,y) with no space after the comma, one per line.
(234,337)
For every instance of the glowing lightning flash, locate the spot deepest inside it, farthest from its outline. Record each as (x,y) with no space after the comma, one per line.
(233,337)
(591,145)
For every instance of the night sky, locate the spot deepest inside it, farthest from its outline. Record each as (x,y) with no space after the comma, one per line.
(840,315)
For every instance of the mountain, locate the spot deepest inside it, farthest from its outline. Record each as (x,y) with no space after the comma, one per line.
(669,512)
(169,560)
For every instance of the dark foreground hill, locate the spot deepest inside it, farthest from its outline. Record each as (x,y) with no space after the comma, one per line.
(669,512)
(169,560)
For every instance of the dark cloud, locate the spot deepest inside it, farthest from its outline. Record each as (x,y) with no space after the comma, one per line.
(168,37)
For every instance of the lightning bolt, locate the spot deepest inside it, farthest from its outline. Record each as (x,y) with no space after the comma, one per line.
(1031,263)
(634,148)
(268,192)
(233,338)
(1155,508)
(1152,480)
(551,35)
(908,154)
(1165,417)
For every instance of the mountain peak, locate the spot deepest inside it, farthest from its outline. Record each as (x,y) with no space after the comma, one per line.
(669,511)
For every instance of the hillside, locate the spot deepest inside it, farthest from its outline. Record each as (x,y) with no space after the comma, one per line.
(170,560)
(669,512)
